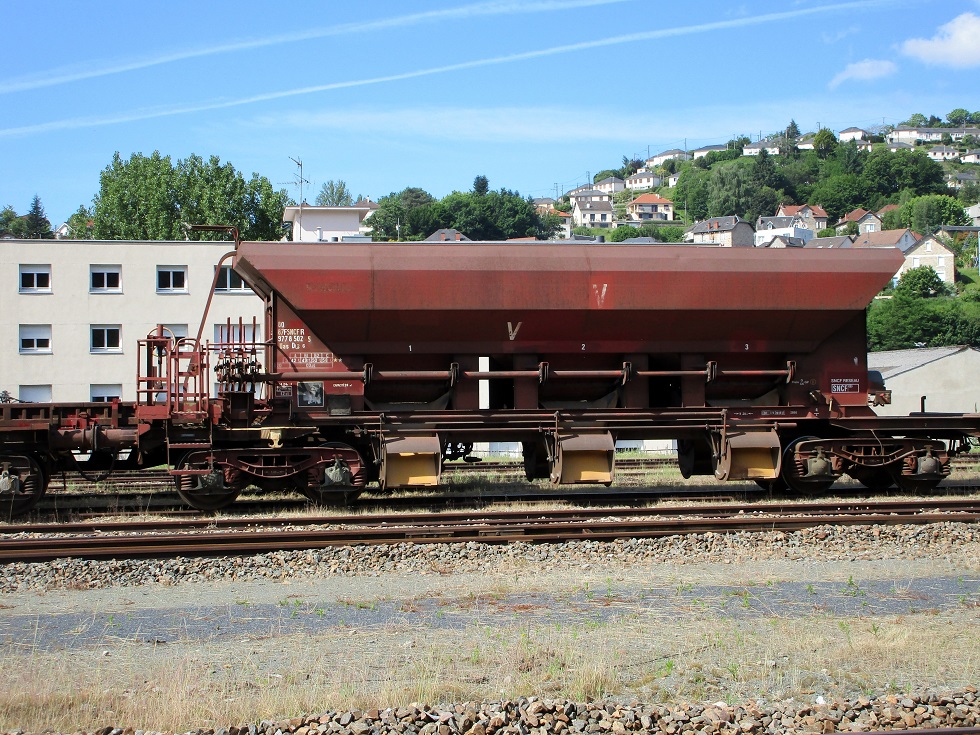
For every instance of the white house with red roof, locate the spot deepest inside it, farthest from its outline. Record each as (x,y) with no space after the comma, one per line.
(866,221)
(813,216)
(650,207)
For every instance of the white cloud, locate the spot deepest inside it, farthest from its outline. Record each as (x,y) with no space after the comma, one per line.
(864,71)
(492,7)
(957,44)
(660,33)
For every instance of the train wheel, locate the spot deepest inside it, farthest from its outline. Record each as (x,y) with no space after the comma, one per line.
(205,492)
(22,484)
(536,466)
(795,470)
(924,473)
(874,478)
(341,482)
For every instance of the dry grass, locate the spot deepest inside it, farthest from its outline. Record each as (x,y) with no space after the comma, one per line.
(496,653)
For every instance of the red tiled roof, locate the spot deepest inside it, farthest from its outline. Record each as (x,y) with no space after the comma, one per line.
(651,199)
(878,239)
(855,215)
(791,210)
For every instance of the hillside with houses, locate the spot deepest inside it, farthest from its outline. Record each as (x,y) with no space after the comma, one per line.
(914,186)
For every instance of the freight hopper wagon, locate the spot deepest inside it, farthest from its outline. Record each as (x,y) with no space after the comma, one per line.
(382,360)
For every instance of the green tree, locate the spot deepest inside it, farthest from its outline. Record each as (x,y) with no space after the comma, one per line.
(623,233)
(9,219)
(847,159)
(81,224)
(800,176)
(926,214)
(888,173)
(958,117)
(763,202)
(922,282)
(691,193)
(892,220)
(630,166)
(36,223)
(824,142)
(335,194)
(918,120)
(481,185)
(390,219)
(150,198)
(792,130)
(265,209)
(208,192)
(137,199)
(729,191)
(764,172)
(840,194)
(969,193)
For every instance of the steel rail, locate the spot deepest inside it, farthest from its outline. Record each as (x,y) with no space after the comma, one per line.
(898,508)
(542,530)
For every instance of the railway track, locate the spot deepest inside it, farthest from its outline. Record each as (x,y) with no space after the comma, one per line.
(252,536)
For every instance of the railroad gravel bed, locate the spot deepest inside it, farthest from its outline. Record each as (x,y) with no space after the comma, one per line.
(536,716)
(950,541)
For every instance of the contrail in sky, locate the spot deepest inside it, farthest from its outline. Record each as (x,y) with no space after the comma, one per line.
(510,7)
(148,114)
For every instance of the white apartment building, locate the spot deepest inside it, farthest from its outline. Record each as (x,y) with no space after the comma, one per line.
(73,310)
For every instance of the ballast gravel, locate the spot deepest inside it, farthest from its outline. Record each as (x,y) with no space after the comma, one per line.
(535,716)
(950,541)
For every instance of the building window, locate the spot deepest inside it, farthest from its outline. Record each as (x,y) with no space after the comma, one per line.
(34,393)
(102,393)
(237,335)
(35,279)
(171,279)
(105,279)
(231,282)
(106,338)
(177,330)
(35,338)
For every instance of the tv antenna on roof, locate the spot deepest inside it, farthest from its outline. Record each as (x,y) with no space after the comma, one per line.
(299,180)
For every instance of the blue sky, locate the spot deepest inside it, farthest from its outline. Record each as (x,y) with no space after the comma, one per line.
(386,95)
